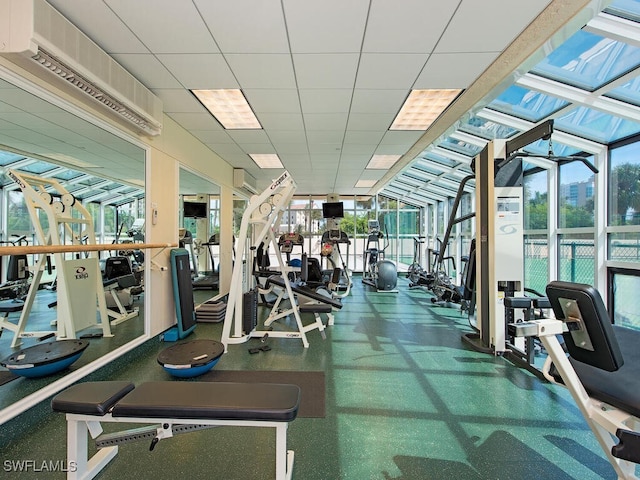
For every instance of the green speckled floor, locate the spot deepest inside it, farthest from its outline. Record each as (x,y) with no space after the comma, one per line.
(406,399)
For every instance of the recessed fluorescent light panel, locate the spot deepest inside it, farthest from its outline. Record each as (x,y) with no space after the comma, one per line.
(365,183)
(382,162)
(266,160)
(422,107)
(229,107)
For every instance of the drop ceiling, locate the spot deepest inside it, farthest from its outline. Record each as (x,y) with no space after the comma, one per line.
(325,79)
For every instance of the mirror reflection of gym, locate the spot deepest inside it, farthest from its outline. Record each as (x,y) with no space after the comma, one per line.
(82,160)
(199,232)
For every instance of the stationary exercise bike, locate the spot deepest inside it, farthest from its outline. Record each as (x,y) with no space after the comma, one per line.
(378,272)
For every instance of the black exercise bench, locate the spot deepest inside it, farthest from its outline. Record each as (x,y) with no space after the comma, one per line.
(602,371)
(173,407)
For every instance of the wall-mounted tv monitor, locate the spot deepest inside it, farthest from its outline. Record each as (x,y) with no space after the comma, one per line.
(332,210)
(195,210)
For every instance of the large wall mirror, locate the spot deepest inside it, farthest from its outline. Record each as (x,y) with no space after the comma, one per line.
(105,174)
(199,231)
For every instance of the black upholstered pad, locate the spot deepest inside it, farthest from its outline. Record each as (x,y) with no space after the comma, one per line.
(622,387)
(215,400)
(305,292)
(315,308)
(9,306)
(90,398)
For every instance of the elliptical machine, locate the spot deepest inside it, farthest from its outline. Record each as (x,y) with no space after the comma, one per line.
(378,272)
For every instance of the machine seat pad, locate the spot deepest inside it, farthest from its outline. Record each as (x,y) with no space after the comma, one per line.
(542,302)
(305,292)
(10,306)
(622,387)
(211,400)
(90,398)
(315,308)
(517,302)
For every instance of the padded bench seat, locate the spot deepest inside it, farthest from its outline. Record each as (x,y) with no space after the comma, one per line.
(622,387)
(180,403)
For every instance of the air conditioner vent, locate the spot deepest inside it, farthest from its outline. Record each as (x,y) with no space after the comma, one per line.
(33,29)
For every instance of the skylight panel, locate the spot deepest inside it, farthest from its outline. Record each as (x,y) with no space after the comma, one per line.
(629,92)
(461,147)
(588,61)
(487,129)
(596,125)
(628,9)
(526,104)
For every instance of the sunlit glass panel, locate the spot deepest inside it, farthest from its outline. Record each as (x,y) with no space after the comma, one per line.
(541,147)
(588,61)
(487,129)
(596,125)
(629,9)
(629,92)
(461,147)
(526,104)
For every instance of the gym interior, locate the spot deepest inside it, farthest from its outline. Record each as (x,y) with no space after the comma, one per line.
(405,236)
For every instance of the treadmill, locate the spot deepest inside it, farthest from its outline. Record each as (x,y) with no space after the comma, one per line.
(208,280)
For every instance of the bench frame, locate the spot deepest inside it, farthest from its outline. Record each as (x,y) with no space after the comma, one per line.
(80,426)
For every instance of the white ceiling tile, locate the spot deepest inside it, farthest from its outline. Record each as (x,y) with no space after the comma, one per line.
(325,27)
(287,136)
(325,121)
(327,136)
(249,136)
(453,70)
(210,136)
(224,149)
(148,70)
(262,70)
(273,100)
(246,26)
(392,149)
(293,157)
(358,149)
(291,148)
(496,32)
(197,121)
(100,24)
(392,71)
(399,27)
(325,100)
(257,148)
(361,137)
(378,101)
(326,70)
(166,26)
(178,100)
(326,160)
(397,137)
(281,121)
(370,121)
(325,148)
(199,71)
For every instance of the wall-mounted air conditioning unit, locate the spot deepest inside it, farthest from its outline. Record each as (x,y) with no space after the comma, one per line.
(241,179)
(38,38)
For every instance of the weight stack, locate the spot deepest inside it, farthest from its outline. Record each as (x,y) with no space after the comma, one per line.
(249,310)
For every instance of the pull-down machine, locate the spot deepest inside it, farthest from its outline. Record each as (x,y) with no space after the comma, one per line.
(262,216)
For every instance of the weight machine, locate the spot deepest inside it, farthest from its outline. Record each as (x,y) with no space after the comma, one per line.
(79,284)
(262,215)
(500,238)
